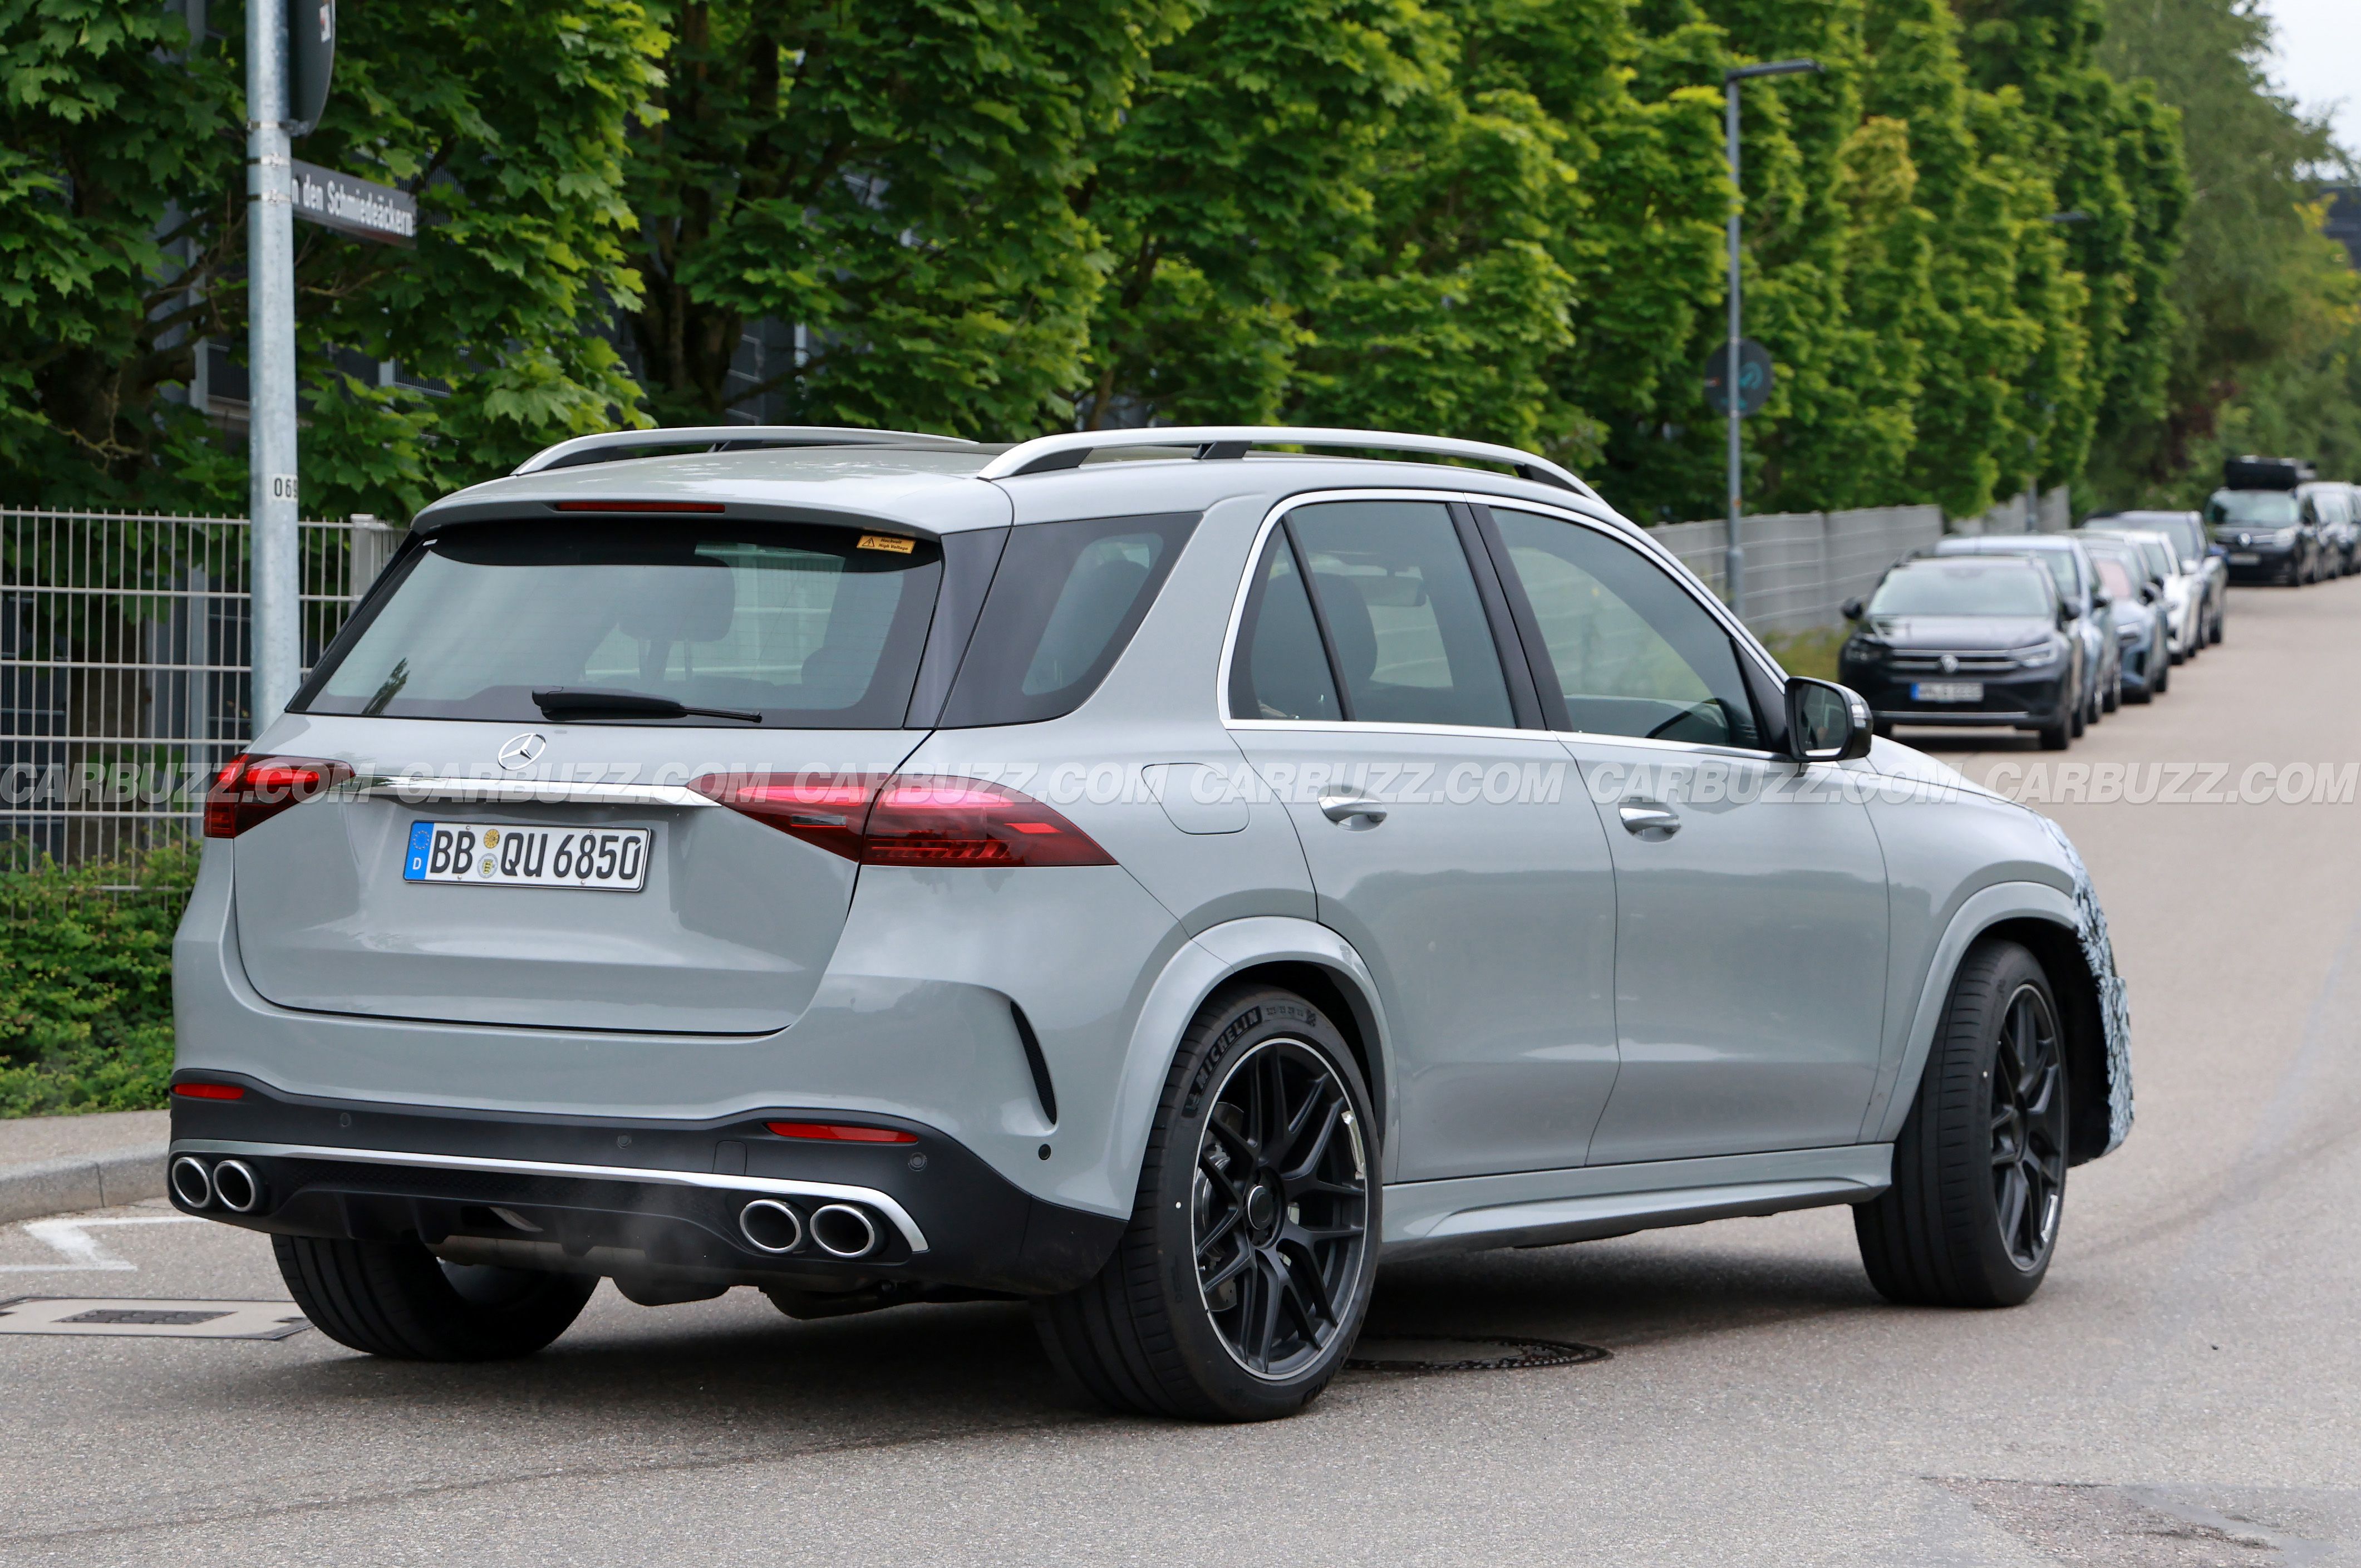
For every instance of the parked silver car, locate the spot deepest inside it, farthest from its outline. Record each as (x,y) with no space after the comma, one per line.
(2200,556)
(1138,872)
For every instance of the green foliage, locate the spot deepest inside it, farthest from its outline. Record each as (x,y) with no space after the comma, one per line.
(2262,328)
(85,981)
(122,240)
(895,178)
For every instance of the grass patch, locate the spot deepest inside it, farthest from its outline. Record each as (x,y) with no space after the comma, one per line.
(1812,653)
(86,982)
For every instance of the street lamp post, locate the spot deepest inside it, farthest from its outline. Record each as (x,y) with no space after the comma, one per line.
(276,626)
(1734,560)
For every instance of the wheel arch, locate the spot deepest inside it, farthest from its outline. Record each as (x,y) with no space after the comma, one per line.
(1299,955)
(2046,921)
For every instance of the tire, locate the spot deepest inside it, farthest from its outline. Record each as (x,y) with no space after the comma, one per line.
(2059,736)
(2113,701)
(2161,682)
(1972,1217)
(399,1300)
(2080,722)
(2220,615)
(1146,1336)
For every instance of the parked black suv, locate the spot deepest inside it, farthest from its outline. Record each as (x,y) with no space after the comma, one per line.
(1967,640)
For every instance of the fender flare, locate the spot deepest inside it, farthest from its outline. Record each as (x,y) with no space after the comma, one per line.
(1191,976)
(1978,914)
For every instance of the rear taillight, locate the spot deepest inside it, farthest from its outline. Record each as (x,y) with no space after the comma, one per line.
(209,1091)
(909,819)
(250,791)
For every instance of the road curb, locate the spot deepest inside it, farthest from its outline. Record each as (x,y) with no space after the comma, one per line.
(80,1181)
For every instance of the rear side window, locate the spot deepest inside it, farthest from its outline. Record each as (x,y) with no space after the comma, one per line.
(1061,610)
(1279,670)
(1405,625)
(810,627)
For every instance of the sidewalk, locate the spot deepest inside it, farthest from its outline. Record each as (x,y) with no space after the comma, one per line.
(55,1165)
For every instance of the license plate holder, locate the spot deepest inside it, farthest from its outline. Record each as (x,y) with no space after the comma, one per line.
(2245,558)
(1947,691)
(527,854)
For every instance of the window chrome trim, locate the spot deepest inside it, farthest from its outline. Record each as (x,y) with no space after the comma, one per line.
(1613,527)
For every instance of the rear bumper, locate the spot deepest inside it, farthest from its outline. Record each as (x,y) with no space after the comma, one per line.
(638,1198)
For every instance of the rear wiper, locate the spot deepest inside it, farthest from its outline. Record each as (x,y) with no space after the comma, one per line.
(560,701)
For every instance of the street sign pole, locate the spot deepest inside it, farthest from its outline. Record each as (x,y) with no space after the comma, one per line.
(276,578)
(1733,568)
(1733,560)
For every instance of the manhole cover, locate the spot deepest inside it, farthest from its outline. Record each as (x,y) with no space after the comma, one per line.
(1449,1355)
(167,1319)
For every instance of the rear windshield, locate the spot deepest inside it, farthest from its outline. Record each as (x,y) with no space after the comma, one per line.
(1963,589)
(806,627)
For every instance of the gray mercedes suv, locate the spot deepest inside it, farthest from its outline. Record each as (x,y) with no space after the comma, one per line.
(1151,874)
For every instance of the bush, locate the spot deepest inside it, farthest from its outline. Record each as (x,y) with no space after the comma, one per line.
(86,982)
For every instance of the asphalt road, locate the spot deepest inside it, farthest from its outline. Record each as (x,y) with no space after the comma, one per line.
(2186,1390)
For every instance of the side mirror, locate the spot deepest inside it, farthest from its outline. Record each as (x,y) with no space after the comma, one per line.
(2148,594)
(1826,722)
(1853,609)
(2101,599)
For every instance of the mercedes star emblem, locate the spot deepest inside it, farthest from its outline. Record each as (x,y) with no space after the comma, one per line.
(521,751)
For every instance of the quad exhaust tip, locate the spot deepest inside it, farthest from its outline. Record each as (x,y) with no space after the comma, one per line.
(193,1184)
(236,1187)
(844,1231)
(770,1226)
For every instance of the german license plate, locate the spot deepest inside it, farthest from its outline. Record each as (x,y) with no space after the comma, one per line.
(506,854)
(1947,691)
(2245,558)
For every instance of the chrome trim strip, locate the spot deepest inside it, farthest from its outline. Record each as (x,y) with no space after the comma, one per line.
(1613,526)
(522,792)
(769,1185)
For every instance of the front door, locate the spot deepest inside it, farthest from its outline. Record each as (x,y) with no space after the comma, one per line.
(1448,838)
(1751,935)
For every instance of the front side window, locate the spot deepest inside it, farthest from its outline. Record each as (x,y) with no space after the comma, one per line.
(806,627)
(1633,653)
(1406,632)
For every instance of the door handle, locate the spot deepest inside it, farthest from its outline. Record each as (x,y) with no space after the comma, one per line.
(1344,808)
(1643,820)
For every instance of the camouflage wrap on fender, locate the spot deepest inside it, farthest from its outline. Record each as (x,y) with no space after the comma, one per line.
(2114,1006)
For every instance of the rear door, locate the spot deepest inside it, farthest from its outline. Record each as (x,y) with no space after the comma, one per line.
(428,886)
(1447,841)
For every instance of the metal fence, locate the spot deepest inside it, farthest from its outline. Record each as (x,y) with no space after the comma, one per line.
(1801,566)
(124,647)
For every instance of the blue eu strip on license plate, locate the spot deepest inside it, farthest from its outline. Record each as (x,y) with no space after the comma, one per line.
(522,854)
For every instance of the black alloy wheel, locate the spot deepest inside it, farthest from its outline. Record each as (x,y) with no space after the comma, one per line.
(1279,1208)
(1241,1282)
(2029,1128)
(1979,1191)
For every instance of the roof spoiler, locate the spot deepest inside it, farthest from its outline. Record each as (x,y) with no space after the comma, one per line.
(608,446)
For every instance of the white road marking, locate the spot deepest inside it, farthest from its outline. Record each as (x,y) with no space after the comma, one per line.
(81,1250)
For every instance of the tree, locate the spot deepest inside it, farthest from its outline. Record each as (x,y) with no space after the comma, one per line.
(122,240)
(896,179)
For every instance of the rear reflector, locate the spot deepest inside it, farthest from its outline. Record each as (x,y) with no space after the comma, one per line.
(209,1091)
(250,791)
(840,1133)
(908,820)
(639,506)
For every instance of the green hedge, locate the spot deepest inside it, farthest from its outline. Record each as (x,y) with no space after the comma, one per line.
(86,982)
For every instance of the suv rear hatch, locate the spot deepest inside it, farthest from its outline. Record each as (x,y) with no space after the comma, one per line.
(518,690)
